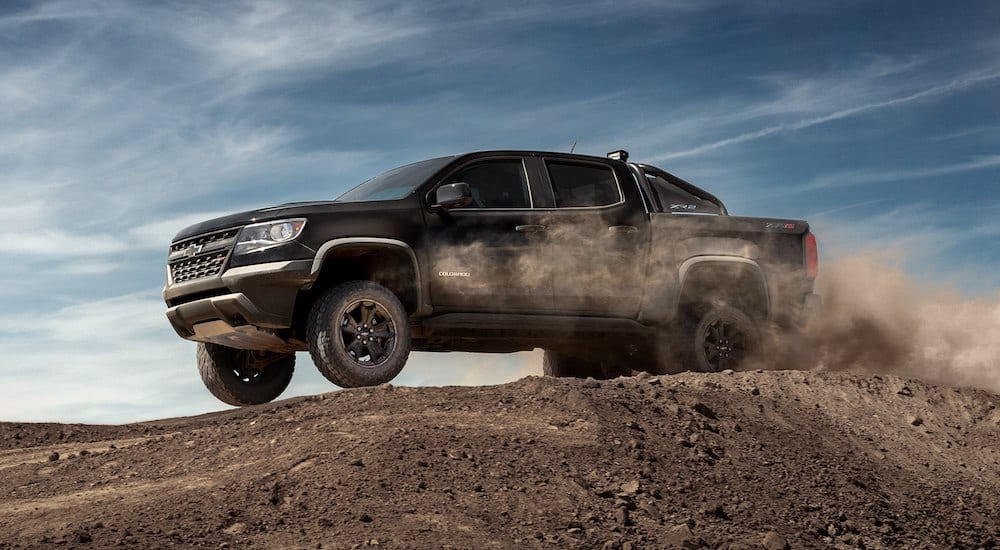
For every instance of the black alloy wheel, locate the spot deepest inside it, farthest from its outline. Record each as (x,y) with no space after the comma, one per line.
(725,345)
(368,333)
(724,339)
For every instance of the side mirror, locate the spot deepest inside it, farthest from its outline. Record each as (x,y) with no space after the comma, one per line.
(452,195)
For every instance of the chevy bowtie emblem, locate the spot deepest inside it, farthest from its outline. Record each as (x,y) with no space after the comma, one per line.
(192,251)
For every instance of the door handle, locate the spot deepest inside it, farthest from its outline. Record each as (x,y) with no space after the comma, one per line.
(530,228)
(623,229)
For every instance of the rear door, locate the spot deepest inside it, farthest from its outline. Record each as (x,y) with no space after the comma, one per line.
(598,233)
(490,255)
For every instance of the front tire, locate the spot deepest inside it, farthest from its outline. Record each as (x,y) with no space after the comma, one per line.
(359,334)
(244,377)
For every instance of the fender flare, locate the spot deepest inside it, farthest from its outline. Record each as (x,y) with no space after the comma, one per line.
(697,260)
(423,308)
(663,309)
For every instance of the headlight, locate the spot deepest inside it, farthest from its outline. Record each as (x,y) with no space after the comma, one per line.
(261,236)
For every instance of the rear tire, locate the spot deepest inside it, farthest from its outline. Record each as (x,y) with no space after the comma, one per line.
(707,339)
(359,334)
(244,377)
(724,338)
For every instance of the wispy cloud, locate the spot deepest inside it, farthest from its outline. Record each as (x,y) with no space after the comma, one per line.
(844,208)
(924,230)
(847,179)
(917,230)
(53,242)
(966,132)
(249,43)
(961,83)
(838,90)
(87,344)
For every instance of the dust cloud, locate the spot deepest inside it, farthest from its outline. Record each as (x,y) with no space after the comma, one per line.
(877,319)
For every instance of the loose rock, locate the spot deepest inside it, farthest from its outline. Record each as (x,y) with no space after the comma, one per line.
(774,541)
(681,536)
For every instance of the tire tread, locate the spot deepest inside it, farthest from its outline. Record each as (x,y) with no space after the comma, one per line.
(319,334)
(214,359)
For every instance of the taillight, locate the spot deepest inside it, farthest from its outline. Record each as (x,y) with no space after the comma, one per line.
(812,256)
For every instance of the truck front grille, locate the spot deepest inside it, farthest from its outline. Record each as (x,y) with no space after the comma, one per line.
(201,256)
(198,267)
(208,240)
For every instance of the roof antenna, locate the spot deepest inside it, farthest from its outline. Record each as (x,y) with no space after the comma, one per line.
(571,149)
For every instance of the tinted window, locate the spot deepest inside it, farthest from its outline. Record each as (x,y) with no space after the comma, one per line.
(396,183)
(495,184)
(679,201)
(577,185)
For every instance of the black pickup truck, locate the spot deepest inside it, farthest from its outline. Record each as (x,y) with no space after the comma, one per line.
(607,265)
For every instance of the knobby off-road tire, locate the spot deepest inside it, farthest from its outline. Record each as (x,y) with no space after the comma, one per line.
(244,377)
(561,365)
(710,338)
(359,334)
(724,338)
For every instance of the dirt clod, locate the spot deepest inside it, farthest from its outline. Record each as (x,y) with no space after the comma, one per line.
(622,516)
(714,509)
(681,536)
(630,487)
(774,541)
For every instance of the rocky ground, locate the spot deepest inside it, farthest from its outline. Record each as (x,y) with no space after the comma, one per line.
(732,460)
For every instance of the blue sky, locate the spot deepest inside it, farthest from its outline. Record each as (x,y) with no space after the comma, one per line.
(121,122)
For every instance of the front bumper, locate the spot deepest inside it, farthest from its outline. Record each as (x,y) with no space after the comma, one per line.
(244,306)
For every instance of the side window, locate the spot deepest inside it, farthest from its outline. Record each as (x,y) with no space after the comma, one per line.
(677,200)
(495,183)
(576,185)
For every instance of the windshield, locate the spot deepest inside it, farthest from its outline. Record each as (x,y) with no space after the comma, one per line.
(396,183)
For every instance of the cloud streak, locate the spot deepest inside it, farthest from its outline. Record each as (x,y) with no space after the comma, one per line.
(962,83)
(843,179)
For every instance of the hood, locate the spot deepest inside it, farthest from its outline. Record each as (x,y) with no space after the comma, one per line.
(253,216)
(288,210)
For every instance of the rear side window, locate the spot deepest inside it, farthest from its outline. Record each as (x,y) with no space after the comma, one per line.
(679,201)
(583,185)
(495,183)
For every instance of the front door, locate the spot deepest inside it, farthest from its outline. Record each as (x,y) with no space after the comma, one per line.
(489,256)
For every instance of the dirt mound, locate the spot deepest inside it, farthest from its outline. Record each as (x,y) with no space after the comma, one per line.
(744,460)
